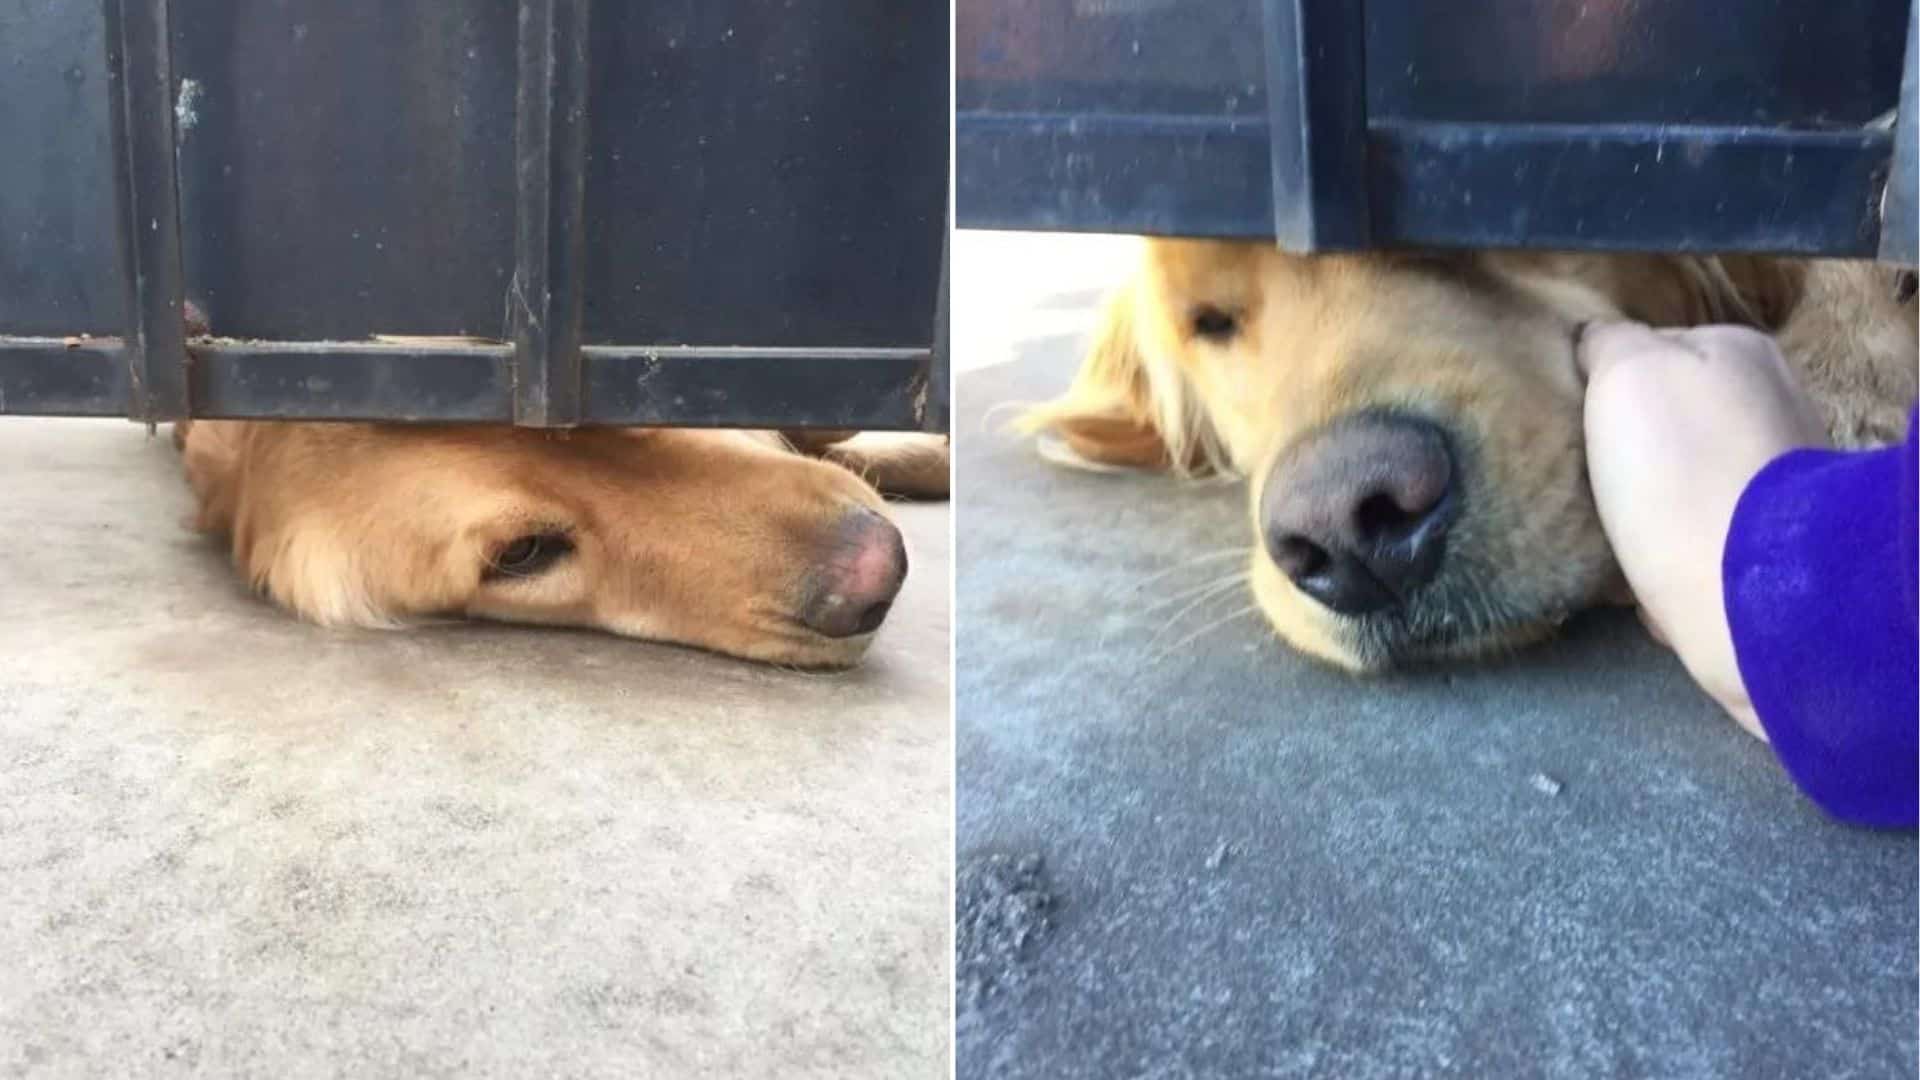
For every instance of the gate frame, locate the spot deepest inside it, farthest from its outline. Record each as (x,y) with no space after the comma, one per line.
(543,377)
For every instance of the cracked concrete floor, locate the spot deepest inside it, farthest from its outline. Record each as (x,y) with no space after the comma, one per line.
(236,844)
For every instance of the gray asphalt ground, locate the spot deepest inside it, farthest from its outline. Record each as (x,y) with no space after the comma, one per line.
(1187,852)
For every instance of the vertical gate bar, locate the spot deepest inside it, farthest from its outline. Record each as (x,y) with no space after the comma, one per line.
(147,207)
(938,411)
(1899,225)
(1317,119)
(550,166)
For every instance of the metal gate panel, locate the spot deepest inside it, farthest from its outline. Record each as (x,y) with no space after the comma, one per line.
(548,213)
(1329,124)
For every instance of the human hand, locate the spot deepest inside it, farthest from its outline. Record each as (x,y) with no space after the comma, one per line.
(1677,423)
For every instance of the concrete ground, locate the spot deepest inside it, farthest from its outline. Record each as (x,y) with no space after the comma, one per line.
(233,844)
(1186,852)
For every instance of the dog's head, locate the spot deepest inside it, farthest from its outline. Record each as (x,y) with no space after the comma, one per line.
(723,540)
(1409,425)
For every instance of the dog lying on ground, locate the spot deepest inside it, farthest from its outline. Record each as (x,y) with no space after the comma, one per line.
(1410,424)
(746,543)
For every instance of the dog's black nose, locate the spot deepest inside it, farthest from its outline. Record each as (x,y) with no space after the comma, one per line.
(854,587)
(1356,513)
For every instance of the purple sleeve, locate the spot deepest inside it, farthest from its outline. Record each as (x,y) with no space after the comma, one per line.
(1822,579)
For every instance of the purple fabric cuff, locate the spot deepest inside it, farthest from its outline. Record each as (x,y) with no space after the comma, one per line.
(1822,580)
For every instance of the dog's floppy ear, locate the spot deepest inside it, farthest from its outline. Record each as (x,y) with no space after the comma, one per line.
(1769,288)
(322,553)
(1690,291)
(1114,416)
(210,452)
(335,573)
(302,566)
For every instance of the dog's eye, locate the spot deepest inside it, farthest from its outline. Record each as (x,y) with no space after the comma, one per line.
(1213,323)
(529,555)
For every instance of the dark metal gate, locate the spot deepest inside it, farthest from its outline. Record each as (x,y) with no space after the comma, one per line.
(1661,125)
(550,212)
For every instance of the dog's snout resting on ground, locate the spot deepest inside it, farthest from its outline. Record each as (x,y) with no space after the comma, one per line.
(1409,424)
(732,541)
(854,587)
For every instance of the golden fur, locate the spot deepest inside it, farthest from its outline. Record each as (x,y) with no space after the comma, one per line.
(699,537)
(1481,344)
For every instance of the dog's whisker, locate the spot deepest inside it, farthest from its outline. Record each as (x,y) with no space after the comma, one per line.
(1193,597)
(1199,585)
(1174,620)
(1211,585)
(1188,564)
(1232,616)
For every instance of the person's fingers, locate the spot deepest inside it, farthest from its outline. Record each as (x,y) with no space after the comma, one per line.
(1740,347)
(1603,344)
(1721,337)
(1755,380)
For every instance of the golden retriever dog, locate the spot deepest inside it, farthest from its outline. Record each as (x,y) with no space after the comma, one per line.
(745,543)
(1410,424)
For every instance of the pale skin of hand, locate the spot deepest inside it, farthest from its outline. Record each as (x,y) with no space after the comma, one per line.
(1677,423)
